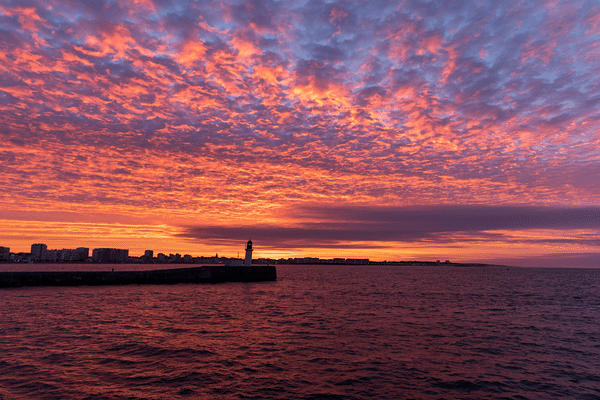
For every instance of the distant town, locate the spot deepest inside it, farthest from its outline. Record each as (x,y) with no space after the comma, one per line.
(40,253)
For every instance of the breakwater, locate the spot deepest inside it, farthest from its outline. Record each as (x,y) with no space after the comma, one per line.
(204,274)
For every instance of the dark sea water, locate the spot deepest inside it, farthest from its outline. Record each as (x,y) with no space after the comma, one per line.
(319,332)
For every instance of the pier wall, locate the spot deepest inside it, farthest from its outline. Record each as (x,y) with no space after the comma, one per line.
(204,274)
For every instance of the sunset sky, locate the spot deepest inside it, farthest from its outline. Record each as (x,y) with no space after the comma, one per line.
(389,130)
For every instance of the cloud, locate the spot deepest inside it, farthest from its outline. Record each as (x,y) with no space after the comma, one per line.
(333,226)
(96,5)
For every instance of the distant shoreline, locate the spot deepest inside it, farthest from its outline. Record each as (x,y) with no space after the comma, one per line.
(193,265)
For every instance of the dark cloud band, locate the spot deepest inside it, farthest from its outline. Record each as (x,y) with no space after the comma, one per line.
(341,226)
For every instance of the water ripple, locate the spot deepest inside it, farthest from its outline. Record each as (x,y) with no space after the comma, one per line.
(319,332)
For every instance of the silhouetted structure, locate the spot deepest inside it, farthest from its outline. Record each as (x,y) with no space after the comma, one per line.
(148,256)
(205,274)
(4,253)
(37,251)
(65,255)
(103,255)
(248,260)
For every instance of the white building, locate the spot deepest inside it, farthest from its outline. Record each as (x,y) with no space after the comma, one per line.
(248,260)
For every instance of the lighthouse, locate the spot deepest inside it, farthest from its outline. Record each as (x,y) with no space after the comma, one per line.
(248,260)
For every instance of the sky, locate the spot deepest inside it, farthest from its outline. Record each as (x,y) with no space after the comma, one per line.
(389,130)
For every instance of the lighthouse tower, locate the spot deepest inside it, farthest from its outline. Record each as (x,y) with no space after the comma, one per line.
(248,260)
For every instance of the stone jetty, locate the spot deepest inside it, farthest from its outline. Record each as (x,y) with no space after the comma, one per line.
(204,274)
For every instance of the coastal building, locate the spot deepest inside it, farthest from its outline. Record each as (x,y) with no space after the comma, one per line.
(21,257)
(110,255)
(38,251)
(148,256)
(4,253)
(51,256)
(357,261)
(63,255)
(81,254)
(248,260)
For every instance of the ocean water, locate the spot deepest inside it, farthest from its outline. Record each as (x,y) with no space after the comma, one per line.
(318,332)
